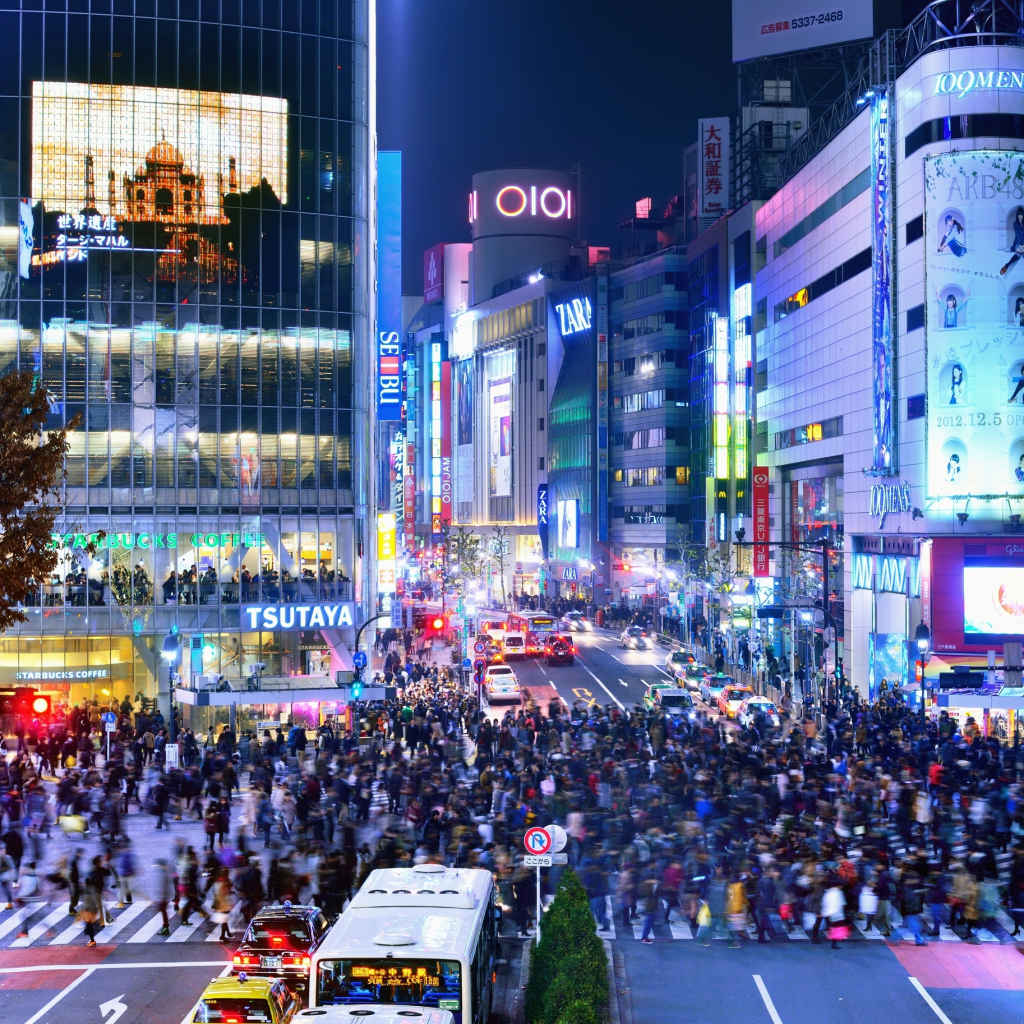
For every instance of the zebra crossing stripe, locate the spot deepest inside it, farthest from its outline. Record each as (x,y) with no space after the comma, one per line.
(150,928)
(122,920)
(40,929)
(19,916)
(184,931)
(680,930)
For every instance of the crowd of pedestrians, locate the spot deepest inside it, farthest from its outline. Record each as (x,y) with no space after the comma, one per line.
(741,833)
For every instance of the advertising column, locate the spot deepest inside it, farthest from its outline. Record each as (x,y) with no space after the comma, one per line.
(602,404)
(446,442)
(761,521)
(500,417)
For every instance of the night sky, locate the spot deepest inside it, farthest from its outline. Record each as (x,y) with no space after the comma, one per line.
(474,85)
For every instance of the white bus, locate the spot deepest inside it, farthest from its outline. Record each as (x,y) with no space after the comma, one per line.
(420,936)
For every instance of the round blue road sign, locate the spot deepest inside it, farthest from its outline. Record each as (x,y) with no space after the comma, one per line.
(359,659)
(466,663)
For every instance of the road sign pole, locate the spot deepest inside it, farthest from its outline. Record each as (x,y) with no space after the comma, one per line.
(538,904)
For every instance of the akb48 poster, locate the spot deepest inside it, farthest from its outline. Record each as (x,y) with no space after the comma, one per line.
(974,290)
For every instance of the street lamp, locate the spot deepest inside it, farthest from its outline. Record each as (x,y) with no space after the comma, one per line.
(169,653)
(924,640)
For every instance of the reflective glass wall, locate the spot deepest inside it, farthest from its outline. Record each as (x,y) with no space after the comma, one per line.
(183,189)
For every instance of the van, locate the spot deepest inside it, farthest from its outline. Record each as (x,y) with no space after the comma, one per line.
(514,646)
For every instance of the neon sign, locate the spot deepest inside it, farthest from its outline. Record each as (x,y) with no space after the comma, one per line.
(574,316)
(514,201)
(298,616)
(389,376)
(963,82)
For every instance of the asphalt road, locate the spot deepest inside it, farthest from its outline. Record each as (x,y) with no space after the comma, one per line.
(799,983)
(604,673)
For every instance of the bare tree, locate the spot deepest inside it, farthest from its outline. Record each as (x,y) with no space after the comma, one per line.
(499,546)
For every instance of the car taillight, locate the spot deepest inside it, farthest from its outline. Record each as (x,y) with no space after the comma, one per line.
(296,961)
(243,961)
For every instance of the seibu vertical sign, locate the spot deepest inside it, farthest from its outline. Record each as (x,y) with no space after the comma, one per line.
(760,521)
(389,376)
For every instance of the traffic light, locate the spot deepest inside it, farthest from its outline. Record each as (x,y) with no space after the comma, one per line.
(357,689)
(438,624)
(26,701)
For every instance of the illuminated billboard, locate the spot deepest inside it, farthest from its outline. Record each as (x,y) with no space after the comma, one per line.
(974,293)
(143,154)
(993,603)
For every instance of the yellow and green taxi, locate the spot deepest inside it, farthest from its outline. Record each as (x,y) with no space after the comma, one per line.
(652,689)
(239,999)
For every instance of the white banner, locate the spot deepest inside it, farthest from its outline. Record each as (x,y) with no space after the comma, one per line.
(974,290)
(500,407)
(763,27)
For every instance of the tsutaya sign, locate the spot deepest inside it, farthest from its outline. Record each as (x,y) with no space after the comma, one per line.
(298,616)
(574,316)
(960,83)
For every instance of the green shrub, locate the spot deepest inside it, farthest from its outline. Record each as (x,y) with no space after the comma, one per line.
(568,980)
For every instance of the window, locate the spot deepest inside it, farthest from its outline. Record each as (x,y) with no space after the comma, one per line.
(643,476)
(540,425)
(636,439)
(811,432)
(915,229)
(915,318)
(540,463)
(640,400)
(682,474)
(540,383)
(915,407)
(618,476)
(824,284)
(832,205)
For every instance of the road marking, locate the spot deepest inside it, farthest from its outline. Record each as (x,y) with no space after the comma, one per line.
(113,967)
(59,996)
(151,927)
(931,1002)
(622,707)
(122,920)
(583,694)
(551,683)
(769,1005)
(187,1019)
(61,913)
(680,930)
(624,683)
(114,1007)
(19,916)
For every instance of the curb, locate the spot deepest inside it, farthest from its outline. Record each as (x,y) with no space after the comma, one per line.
(613,995)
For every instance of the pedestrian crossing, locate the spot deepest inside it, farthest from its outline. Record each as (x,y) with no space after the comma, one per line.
(51,924)
(679,930)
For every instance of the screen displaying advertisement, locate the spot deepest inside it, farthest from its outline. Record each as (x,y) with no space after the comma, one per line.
(115,141)
(887,662)
(569,523)
(993,602)
(761,28)
(974,324)
(500,417)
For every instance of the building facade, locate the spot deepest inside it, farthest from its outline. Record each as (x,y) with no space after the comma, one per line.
(185,269)
(890,361)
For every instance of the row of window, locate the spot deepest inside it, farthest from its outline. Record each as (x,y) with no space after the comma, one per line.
(649,515)
(844,272)
(652,285)
(653,322)
(633,440)
(811,432)
(638,401)
(649,362)
(651,476)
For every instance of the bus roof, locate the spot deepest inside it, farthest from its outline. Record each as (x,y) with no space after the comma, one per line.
(428,910)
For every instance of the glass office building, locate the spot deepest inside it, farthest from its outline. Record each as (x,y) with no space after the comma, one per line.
(183,264)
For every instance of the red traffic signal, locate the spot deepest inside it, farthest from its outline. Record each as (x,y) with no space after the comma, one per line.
(438,623)
(30,703)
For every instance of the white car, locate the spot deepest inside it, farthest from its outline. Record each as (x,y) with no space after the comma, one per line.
(754,706)
(514,646)
(500,683)
(635,638)
(576,622)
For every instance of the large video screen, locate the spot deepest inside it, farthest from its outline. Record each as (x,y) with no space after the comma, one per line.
(104,146)
(993,602)
(974,294)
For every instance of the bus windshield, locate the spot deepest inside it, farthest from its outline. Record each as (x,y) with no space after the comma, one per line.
(416,982)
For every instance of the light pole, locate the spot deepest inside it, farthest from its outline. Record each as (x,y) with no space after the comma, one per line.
(924,639)
(170,651)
